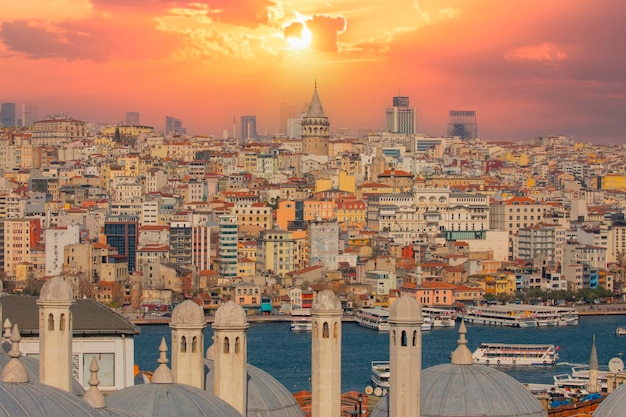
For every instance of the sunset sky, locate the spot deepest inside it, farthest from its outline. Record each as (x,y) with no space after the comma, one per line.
(528,67)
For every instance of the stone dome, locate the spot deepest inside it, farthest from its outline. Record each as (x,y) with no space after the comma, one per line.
(325,301)
(613,405)
(169,400)
(230,314)
(266,396)
(56,289)
(188,313)
(450,390)
(405,310)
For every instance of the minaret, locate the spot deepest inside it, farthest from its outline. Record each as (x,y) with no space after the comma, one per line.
(405,357)
(231,356)
(55,334)
(326,314)
(187,326)
(593,368)
(315,128)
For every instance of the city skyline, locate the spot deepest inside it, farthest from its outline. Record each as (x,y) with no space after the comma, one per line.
(528,69)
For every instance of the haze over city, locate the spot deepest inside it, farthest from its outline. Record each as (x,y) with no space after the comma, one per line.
(527,68)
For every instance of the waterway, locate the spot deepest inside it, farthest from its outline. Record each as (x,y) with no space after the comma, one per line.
(287,355)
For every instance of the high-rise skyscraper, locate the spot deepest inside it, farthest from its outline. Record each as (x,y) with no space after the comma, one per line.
(400,118)
(132,118)
(287,111)
(174,125)
(462,123)
(29,114)
(248,127)
(8,114)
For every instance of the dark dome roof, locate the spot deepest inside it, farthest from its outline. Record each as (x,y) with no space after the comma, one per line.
(266,396)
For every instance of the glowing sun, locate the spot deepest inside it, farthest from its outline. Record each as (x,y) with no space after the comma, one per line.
(299,39)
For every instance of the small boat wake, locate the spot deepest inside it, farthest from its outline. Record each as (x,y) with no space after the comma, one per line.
(570,364)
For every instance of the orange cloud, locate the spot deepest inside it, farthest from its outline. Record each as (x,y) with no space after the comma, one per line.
(546,51)
(325,32)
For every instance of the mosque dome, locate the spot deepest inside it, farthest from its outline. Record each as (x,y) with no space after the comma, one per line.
(326,301)
(406,310)
(169,400)
(230,314)
(266,396)
(188,313)
(461,388)
(21,397)
(56,289)
(164,398)
(613,405)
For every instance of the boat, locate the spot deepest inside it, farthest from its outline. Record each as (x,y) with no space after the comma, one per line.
(380,374)
(621,331)
(377,319)
(373,318)
(440,317)
(515,354)
(498,315)
(301,320)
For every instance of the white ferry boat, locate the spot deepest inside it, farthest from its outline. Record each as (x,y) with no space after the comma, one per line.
(377,319)
(440,317)
(515,354)
(301,320)
(498,315)
(551,315)
(373,318)
(380,374)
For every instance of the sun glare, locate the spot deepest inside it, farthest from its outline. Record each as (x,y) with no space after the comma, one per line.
(300,42)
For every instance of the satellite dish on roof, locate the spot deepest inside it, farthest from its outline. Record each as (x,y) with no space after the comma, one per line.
(616,365)
(378,391)
(369,390)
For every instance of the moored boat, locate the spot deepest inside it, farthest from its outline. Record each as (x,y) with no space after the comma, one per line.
(380,374)
(515,354)
(498,315)
(440,317)
(373,318)
(301,320)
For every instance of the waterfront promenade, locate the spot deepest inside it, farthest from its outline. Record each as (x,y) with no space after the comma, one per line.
(147,319)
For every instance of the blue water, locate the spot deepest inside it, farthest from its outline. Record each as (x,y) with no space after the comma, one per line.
(287,355)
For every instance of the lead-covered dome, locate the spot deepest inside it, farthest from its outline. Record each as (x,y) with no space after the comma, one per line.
(325,301)
(266,396)
(56,289)
(169,400)
(405,310)
(450,390)
(188,313)
(613,405)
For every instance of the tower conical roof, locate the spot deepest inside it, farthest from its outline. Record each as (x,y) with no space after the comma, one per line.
(315,108)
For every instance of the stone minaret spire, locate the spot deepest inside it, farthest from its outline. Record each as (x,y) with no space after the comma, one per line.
(593,368)
(162,374)
(187,326)
(94,396)
(6,336)
(15,370)
(462,355)
(326,314)
(231,356)
(55,334)
(405,357)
